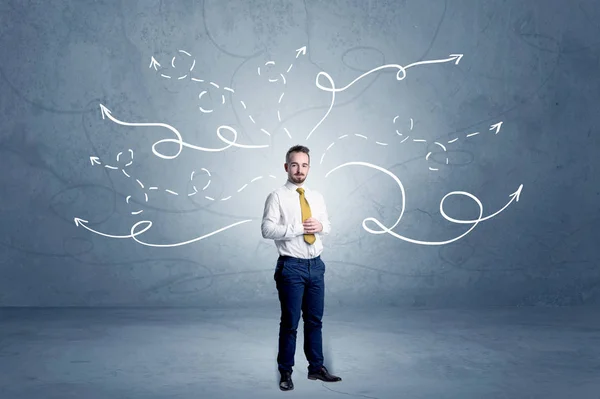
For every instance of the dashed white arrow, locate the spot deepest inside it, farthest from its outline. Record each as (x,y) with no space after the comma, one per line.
(301,50)
(496,126)
(154,64)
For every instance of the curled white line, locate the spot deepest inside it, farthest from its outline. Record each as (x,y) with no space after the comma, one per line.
(228,89)
(171,192)
(197,80)
(243,105)
(165,76)
(452,141)
(128,163)
(226,198)
(256,178)
(398,133)
(185,52)
(146,195)
(288,133)
(428,155)
(206,170)
(127,199)
(283,77)
(411,123)
(377,142)
(209,198)
(360,135)
(214,84)
(192,175)
(278,116)
(472,134)
(138,212)
(264,131)
(289,68)
(207,184)
(173,62)
(420,140)
(273,80)
(182,77)
(330,145)
(243,187)
(395,117)
(119,155)
(252,119)
(405,139)
(194,193)
(110,167)
(125,173)
(341,137)
(441,145)
(281,97)
(152,188)
(193,65)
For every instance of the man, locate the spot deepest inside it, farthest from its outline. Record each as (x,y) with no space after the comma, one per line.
(296,218)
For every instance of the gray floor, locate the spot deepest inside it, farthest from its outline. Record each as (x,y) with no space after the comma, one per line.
(379,352)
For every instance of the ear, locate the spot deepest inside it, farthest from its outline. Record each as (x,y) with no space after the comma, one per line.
(285,166)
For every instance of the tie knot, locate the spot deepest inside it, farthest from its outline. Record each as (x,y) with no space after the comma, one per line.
(300,190)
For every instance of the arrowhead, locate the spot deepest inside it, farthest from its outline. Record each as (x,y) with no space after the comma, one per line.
(95,160)
(517,193)
(153,63)
(496,126)
(79,221)
(301,50)
(457,57)
(105,111)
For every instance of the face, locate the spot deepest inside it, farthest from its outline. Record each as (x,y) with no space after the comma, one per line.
(297,167)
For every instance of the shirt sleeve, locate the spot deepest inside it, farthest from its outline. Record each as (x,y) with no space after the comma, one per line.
(270,226)
(324,219)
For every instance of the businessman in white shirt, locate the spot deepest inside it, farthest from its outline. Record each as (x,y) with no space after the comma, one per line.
(296,218)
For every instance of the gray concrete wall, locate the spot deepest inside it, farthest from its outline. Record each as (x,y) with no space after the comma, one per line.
(531,65)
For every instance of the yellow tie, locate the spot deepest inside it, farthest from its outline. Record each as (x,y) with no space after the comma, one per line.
(305,209)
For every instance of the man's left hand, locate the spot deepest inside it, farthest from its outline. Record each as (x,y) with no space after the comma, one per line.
(312,226)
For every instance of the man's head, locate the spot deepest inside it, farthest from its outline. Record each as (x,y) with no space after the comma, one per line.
(297,164)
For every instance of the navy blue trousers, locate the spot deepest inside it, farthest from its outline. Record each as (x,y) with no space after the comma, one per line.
(301,288)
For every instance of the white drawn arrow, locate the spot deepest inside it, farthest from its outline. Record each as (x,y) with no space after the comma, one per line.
(384,229)
(83,223)
(400,75)
(514,197)
(496,126)
(301,50)
(401,69)
(95,160)
(106,113)
(154,64)
(133,234)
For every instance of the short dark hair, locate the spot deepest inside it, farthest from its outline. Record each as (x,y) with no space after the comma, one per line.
(297,148)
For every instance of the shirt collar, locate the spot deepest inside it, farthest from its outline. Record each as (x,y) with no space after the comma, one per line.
(291,186)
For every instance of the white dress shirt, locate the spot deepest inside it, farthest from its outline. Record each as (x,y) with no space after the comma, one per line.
(282,221)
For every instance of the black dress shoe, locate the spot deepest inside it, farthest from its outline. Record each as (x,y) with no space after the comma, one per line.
(285,383)
(323,375)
